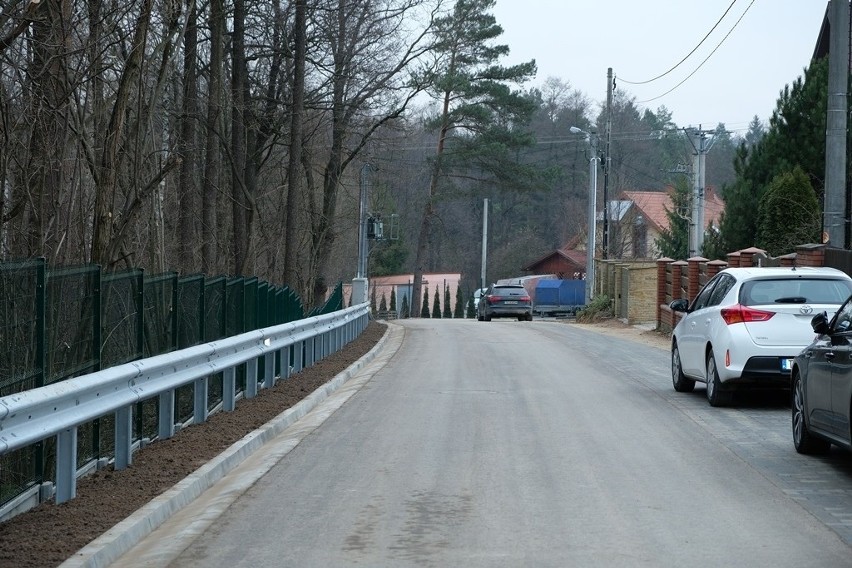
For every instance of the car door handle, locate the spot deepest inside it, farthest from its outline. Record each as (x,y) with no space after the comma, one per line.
(829,355)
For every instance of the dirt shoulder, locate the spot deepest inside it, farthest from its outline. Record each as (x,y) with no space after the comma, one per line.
(652,338)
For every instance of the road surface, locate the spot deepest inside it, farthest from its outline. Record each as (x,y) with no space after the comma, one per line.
(520,444)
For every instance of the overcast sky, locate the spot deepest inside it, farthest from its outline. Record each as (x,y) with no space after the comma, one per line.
(577,40)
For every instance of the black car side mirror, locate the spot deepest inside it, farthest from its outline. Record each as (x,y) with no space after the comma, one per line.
(819,323)
(679,305)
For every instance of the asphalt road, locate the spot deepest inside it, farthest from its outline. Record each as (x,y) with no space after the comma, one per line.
(521,444)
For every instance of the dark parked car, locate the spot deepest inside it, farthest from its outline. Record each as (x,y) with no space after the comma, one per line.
(505,301)
(821,384)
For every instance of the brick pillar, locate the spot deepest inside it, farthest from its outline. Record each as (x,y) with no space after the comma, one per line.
(694,276)
(747,256)
(810,255)
(662,269)
(714,267)
(788,260)
(734,259)
(678,268)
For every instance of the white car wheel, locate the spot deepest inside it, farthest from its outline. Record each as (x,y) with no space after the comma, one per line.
(716,395)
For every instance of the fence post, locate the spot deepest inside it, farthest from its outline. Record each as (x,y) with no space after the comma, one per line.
(677,278)
(662,269)
(694,276)
(810,255)
(714,267)
(734,259)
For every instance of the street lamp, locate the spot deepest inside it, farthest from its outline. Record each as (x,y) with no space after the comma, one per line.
(593,190)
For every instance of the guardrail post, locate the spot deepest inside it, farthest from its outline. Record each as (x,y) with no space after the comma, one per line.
(251,378)
(269,370)
(199,392)
(66,465)
(124,436)
(298,356)
(229,389)
(166,426)
(284,359)
(310,351)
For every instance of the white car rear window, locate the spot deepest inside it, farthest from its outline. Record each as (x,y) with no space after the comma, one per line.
(795,291)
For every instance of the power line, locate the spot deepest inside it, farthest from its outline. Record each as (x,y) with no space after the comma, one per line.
(694,49)
(705,59)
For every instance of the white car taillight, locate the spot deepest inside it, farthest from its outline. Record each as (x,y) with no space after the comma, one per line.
(744,314)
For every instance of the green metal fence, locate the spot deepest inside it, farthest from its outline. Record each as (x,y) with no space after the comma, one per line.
(59,323)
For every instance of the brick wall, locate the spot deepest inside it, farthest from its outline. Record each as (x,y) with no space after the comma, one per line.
(696,271)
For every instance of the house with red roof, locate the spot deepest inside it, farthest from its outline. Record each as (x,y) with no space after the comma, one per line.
(637,218)
(566,263)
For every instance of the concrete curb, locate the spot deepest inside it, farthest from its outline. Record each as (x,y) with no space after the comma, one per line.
(117,541)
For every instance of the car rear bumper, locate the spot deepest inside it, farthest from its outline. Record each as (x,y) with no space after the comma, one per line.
(762,371)
(508,312)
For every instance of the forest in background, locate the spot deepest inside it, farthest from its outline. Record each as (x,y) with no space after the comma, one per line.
(230,138)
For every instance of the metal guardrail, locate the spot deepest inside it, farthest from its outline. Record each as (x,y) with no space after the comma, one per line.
(60,408)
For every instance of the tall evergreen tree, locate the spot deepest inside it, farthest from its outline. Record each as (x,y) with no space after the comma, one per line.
(795,137)
(436,304)
(480,118)
(673,241)
(448,312)
(789,214)
(392,306)
(424,309)
(405,309)
(458,311)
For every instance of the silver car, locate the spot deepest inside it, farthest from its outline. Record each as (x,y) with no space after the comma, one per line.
(746,325)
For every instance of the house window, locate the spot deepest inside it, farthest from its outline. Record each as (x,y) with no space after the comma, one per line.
(640,238)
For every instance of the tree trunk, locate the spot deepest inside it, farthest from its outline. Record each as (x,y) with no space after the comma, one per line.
(187,147)
(239,199)
(209,236)
(102,239)
(48,141)
(295,193)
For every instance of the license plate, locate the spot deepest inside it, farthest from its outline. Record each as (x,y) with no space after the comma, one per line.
(510,302)
(786,364)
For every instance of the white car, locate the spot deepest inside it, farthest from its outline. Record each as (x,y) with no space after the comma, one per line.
(746,325)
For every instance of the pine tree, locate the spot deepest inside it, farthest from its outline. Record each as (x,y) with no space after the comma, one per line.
(447,311)
(789,214)
(424,309)
(795,137)
(458,311)
(405,308)
(482,121)
(471,309)
(673,241)
(392,306)
(373,302)
(436,304)
(383,305)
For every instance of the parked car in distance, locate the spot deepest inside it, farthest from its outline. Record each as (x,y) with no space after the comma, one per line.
(477,294)
(505,301)
(821,385)
(746,325)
